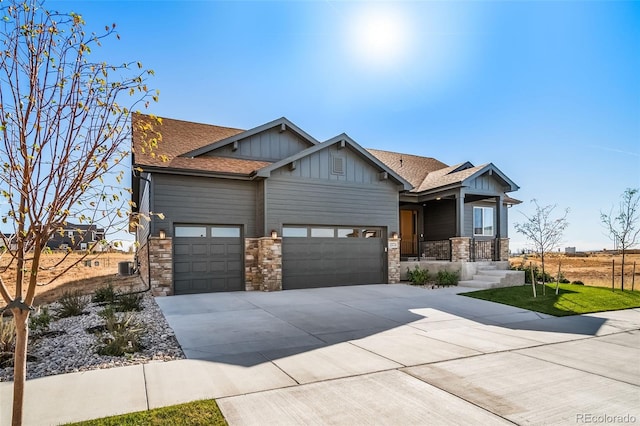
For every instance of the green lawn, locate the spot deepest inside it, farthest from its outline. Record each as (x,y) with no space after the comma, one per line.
(193,414)
(572,300)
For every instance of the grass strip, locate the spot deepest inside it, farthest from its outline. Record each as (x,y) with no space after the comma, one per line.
(205,412)
(571,300)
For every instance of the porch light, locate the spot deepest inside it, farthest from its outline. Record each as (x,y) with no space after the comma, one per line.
(274,234)
(163,234)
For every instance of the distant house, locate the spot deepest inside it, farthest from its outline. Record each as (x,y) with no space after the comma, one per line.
(77,237)
(273,208)
(7,241)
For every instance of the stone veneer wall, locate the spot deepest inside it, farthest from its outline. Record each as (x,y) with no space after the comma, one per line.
(460,248)
(161,264)
(393,257)
(504,249)
(263,264)
(252,274)
(270,263)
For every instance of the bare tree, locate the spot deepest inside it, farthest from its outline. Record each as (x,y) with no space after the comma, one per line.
(63,133)
(544,231)
(622,225)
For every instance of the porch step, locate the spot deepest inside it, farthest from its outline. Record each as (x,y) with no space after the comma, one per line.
(494,279)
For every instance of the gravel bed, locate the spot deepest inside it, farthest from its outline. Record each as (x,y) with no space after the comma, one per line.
(73,349)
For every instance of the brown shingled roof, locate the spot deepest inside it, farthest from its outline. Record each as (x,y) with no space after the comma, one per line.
(413,167)
(446,176)
(179,137)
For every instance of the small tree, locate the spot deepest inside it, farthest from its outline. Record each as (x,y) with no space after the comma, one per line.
(544,231)
(622,226)
(63,133)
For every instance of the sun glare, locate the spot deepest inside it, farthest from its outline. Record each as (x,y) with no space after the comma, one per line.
(379,37)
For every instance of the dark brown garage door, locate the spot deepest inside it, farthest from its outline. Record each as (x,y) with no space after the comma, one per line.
(207,258)
(332,256)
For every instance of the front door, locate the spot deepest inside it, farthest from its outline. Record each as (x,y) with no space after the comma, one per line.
(408,233)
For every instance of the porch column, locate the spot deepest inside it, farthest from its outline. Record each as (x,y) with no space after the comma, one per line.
(460,249)
(460,214)
(498,241)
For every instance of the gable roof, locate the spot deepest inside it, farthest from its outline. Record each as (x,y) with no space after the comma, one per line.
(413,168)
(280,122)
(343,137)
(428,174)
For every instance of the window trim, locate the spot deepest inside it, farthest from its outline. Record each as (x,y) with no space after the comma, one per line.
(484,209)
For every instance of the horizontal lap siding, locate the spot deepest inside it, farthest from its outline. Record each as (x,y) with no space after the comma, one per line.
(185,199)
(298,201)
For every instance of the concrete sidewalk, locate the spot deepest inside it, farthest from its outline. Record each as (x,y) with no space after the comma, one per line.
(367,354)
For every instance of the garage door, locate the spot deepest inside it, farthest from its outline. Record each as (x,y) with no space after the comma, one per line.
(332,256)
(207,258)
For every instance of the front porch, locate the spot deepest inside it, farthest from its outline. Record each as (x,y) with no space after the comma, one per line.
(457,249)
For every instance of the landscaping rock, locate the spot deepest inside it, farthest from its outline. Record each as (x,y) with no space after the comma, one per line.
(67,346)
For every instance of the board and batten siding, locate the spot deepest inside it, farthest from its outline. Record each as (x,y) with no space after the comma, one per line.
(485,184)
(322,165)
(270,145)
(298,201)
(187,199)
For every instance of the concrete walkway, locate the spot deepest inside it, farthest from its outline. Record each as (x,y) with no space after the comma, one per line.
(379,354)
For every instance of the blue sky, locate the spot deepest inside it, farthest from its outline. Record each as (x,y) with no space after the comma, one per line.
(547,91)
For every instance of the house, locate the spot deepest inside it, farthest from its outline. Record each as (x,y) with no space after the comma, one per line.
(77,237)
(271,208)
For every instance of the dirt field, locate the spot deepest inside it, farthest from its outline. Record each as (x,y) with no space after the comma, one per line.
(593,270)
(102,270)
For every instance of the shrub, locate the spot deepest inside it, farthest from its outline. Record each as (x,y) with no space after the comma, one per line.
(536,271)
(106,294)
(72,304)
(122,335)
(129,302)
(40,321)
(7,334)
(577,282)
(447,278)
(418,276)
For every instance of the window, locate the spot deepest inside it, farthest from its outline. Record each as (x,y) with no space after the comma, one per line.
(483,221)
(191,231)
(290,231)
(322,232)
(70,234)
(348,232)
(225,232)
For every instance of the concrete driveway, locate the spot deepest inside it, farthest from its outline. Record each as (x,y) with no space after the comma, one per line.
(395,354)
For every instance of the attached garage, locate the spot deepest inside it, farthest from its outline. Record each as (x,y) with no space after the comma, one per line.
(322,256)
(207,258)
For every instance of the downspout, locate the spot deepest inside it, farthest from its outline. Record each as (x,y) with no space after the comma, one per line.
(137,262)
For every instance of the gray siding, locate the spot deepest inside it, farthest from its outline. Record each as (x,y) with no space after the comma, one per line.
(320,165)
(440,220)
(308,201)
(186,199)
(270,145)
(485,184)
(468,218)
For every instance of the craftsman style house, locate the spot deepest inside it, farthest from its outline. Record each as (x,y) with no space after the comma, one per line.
(270,208)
